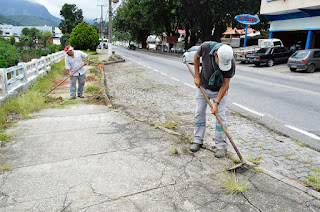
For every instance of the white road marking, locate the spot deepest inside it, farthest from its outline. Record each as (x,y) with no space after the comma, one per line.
(175,79)
(303,132)
(149,67)
(245,108)
(272,84)
(164,74)
(155,70)
(192,86)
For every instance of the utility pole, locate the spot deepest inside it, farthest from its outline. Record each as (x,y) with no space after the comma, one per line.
(110,30)
(101,25)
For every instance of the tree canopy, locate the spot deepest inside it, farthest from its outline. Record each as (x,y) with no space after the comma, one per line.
(72,17)
(204,19)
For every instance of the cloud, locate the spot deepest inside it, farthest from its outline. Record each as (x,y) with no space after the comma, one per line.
(89,8)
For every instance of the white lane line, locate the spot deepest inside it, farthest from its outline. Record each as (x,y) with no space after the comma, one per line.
(303,132)
(149,67)
(245,108)
(155,70)
(272,84)
(164,74)
(175,79)
(192,86)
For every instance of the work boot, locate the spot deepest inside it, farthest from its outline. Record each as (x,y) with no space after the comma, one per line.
(195,147)
(220,153)
(72,97)
(80,96)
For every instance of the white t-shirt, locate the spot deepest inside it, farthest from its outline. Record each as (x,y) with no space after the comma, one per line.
(76,62)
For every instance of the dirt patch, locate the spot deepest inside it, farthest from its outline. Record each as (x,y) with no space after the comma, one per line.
(90,79)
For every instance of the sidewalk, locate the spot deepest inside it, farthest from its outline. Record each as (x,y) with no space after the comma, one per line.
(95,158)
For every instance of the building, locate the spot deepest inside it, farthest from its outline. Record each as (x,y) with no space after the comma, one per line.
(293,21)
(16,31)
(233,36)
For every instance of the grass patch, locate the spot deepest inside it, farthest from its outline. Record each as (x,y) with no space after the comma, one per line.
(300,143)
(317,169)
(70,102)
(314,181)
(230,183)
(253,160)
(94,90)
(6,166)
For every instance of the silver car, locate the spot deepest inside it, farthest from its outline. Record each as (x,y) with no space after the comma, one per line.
(308,60)
(188,56)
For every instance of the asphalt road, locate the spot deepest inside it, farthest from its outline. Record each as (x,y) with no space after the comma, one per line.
(290,106)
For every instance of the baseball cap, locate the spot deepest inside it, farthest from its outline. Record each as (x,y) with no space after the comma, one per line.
(225,55)
(68,48)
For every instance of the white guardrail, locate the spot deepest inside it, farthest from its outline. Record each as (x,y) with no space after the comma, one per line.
(16,79)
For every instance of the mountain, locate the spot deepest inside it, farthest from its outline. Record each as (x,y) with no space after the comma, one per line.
(25,7)
(7,20)
(26,20)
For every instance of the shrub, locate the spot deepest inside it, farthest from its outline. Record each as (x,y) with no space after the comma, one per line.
(84,37)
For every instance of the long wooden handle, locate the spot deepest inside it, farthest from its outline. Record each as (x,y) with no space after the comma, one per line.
(62,81)
(218,118)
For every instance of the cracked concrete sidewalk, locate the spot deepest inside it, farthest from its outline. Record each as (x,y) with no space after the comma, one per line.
(94,158)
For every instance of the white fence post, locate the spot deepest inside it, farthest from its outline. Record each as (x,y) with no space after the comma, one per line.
(2,84)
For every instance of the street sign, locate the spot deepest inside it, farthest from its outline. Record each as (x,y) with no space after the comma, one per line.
(247,19)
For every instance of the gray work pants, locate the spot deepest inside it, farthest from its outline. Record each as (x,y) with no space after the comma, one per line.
(200,119)
(73,85)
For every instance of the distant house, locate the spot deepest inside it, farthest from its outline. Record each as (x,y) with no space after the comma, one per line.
(16,31)
(57,34)
(232,36)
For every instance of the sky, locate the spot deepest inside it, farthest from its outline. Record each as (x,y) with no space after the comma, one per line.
(89,7)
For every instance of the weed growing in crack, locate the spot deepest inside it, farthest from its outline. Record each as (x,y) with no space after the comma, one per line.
(287,156)
(257,169)
(307,162)
(172,125)
(230,183)
(300,143)
(234,158)
(6,166)
(314,181)
(254,160)
(174,150)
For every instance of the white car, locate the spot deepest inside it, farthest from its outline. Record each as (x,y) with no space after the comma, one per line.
(188,56)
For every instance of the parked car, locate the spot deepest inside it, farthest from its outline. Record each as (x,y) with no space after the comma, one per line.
(131,47)
(269,56)
(308,60)
(242,53)
(188,56)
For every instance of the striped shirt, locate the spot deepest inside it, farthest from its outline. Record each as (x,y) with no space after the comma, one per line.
(76,62)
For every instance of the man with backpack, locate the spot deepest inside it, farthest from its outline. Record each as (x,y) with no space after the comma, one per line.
(218,67)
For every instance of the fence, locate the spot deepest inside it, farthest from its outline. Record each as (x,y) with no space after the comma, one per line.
(16,79)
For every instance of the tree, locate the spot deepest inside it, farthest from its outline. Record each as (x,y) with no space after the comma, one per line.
(25,31)
(45,37)
(12,40)
(9,55)
(72,17)
(84,37)
(134,17)
(65,40)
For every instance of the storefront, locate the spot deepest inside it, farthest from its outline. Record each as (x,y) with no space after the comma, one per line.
(294,21)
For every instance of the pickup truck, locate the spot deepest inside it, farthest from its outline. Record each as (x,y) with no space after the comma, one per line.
(241,53)
(269,56)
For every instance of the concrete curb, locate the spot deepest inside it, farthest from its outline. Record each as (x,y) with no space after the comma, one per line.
(292,183)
